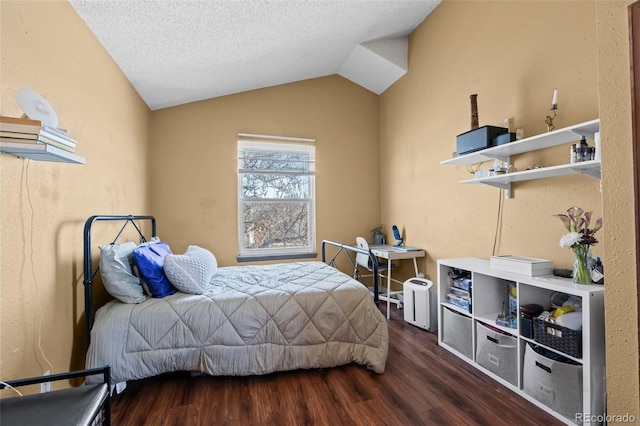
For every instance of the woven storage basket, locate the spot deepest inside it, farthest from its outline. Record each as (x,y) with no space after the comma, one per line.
(557,337)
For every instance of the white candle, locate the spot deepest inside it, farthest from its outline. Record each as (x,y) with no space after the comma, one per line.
(554,101)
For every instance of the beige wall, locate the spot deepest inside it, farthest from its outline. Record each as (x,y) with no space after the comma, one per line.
(513,61)
(194,160)
(43,205)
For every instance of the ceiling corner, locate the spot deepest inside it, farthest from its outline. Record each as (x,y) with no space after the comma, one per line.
(377,64)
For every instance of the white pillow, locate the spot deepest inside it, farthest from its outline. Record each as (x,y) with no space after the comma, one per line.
(117,276)
(191,272)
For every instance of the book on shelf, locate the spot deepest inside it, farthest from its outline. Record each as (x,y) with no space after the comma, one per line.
(56,144)
(19,145)
(19,120)
(26,137)
(57,131)
(56,137)
(37,140)
(33,136)
(24,149)
(22,125)
(18,135)
(406,248)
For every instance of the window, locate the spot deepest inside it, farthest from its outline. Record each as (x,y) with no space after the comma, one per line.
(276,200)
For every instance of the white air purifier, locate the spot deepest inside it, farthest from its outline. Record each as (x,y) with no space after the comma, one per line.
(420,304)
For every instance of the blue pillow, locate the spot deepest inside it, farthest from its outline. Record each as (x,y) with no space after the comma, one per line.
(149,260)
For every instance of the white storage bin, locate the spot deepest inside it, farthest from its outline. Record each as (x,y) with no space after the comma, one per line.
(556,384)
(497,353)
(456,331)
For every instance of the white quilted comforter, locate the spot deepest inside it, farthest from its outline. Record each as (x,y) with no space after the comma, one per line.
(251,320)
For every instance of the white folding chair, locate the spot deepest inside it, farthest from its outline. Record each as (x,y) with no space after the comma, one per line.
(364,261)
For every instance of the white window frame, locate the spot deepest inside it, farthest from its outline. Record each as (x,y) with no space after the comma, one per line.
(277,143)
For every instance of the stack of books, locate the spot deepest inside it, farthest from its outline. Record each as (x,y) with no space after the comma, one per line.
(20,131)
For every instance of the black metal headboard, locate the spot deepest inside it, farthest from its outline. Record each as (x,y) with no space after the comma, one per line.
(89,272)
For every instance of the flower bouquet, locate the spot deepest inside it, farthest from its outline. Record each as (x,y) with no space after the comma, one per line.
(580,238)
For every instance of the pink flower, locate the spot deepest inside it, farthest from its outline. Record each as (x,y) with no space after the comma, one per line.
(577,222)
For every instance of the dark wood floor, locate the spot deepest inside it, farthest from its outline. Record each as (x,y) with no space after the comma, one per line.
(423,385)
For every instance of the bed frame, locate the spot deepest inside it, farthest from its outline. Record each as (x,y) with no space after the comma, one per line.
(130,220)
(90,273)
(347,250)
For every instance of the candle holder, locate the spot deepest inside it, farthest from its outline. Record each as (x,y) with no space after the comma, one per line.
(549,120)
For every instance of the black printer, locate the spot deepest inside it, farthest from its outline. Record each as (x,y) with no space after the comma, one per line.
(478,139)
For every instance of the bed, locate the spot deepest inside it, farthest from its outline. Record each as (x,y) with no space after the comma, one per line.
(247,320)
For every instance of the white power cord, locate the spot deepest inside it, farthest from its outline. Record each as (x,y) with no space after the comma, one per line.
(8,386)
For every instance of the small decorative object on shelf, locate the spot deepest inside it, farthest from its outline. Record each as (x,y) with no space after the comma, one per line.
(597,271)
(597,150)
(554,106)
(519,134)
(474,111)
(580,239)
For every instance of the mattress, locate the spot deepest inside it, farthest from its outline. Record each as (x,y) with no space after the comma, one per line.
(251,320)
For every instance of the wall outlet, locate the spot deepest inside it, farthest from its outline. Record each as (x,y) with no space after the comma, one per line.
(46,386)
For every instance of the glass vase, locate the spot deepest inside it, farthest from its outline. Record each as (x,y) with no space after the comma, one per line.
(581,273)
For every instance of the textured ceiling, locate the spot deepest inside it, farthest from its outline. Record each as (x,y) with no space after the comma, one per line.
(175,52)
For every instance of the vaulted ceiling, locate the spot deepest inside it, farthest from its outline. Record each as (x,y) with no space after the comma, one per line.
(176,52)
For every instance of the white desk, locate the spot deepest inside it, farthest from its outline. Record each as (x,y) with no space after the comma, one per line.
(393,253)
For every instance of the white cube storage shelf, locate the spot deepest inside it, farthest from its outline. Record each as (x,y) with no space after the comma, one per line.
(565,390)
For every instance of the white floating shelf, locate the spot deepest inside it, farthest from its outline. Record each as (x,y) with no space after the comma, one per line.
(40,152)
(545,140)
(590,168)
(533,143)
